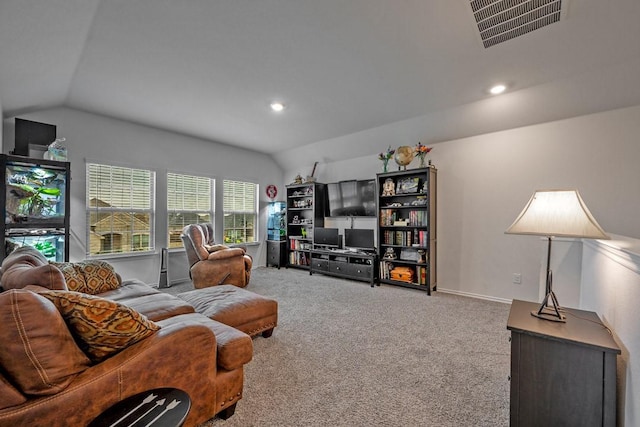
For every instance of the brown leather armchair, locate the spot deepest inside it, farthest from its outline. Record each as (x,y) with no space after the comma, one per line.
(211,264)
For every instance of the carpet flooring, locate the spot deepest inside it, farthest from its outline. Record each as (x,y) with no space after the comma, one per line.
(346,354)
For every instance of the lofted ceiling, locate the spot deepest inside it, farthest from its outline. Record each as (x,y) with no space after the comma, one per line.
(210,68)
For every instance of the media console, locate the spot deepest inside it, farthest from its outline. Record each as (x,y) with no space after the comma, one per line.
(345,263)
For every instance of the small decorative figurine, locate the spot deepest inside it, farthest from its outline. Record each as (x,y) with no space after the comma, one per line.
(389,254)
(421,256)
(297,179)
(389,188)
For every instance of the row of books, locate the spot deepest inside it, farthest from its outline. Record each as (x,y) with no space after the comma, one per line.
(390,217)
(299,258)
(299,245)
(388,271)
(405,238)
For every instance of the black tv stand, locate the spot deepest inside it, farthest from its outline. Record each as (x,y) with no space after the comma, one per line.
(345,263)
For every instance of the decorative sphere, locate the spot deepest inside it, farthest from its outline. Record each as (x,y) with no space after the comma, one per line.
(404,155)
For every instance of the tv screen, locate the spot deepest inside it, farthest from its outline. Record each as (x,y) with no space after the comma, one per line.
(326,237)
(358,238)
(352,198)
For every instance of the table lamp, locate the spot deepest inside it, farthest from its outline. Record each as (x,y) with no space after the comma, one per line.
(555,213)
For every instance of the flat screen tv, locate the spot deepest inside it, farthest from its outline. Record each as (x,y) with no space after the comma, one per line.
(358,238)
(326,237)
(352,198)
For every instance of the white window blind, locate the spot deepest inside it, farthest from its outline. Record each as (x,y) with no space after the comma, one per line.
(240,211)
(189,201)
(120,209)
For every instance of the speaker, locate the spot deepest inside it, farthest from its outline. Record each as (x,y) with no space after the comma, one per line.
(30,132)
(163,281)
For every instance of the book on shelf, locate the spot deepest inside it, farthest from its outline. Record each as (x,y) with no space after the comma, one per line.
(421,271)
(299,244)
(385,267)
(298,258)
(412,218)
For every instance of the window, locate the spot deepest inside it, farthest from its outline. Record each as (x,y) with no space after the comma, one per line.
(188,202)
(240,211)
(120,209)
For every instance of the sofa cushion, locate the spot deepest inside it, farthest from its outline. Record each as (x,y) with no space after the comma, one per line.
(129,289)
(90,276)
(234,347)
(144,299)
(102,327)
(159,306)
(38,353)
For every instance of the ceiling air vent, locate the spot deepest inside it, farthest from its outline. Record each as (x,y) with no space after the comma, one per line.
(502,20)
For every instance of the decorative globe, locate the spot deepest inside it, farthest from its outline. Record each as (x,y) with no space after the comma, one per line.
(403,156)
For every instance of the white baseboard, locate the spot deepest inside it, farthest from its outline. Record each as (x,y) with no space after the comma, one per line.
(472,295)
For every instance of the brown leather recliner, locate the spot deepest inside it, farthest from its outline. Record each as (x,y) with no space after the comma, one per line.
(211,264)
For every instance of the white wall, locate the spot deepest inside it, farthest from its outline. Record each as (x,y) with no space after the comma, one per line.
(101,139)
(484,182)
(611,287)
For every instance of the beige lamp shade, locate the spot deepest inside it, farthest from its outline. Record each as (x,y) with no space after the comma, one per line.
(557,213)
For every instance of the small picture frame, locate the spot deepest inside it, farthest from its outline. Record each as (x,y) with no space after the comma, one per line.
(408,254)
(408,185)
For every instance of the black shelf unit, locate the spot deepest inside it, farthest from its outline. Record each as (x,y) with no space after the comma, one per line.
(407,228)
(306,209)
(36,204)
(345,264)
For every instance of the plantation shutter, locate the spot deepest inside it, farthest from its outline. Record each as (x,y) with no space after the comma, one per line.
(239,197)
(120,209)
(119,187)
(188,193)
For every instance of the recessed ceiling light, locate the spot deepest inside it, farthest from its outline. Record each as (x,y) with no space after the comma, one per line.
(277,106)
(497,89)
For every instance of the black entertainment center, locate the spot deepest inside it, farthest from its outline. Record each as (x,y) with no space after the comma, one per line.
(345,263)
(356,259)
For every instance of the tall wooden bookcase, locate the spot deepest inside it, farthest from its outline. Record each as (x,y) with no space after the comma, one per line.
(306,209)
(407,239)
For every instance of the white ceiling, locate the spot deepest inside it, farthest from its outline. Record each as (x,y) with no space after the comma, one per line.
(209,68)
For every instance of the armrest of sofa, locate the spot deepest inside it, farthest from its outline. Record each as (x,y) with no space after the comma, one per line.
(182,354)
(225,253)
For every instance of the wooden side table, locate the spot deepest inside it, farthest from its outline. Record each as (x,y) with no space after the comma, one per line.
(161,407)
(561,373)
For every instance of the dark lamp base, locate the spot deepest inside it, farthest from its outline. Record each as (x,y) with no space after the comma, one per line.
(550,312)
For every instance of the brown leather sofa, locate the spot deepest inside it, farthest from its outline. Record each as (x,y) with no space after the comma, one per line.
(211,264)
(190,352)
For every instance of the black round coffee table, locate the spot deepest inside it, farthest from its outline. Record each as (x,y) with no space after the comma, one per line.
(160,407)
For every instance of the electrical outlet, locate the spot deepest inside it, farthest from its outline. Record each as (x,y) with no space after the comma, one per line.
(517,278)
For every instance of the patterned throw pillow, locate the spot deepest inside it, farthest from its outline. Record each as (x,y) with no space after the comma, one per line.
(90,277)
(73,278)
(102,327)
